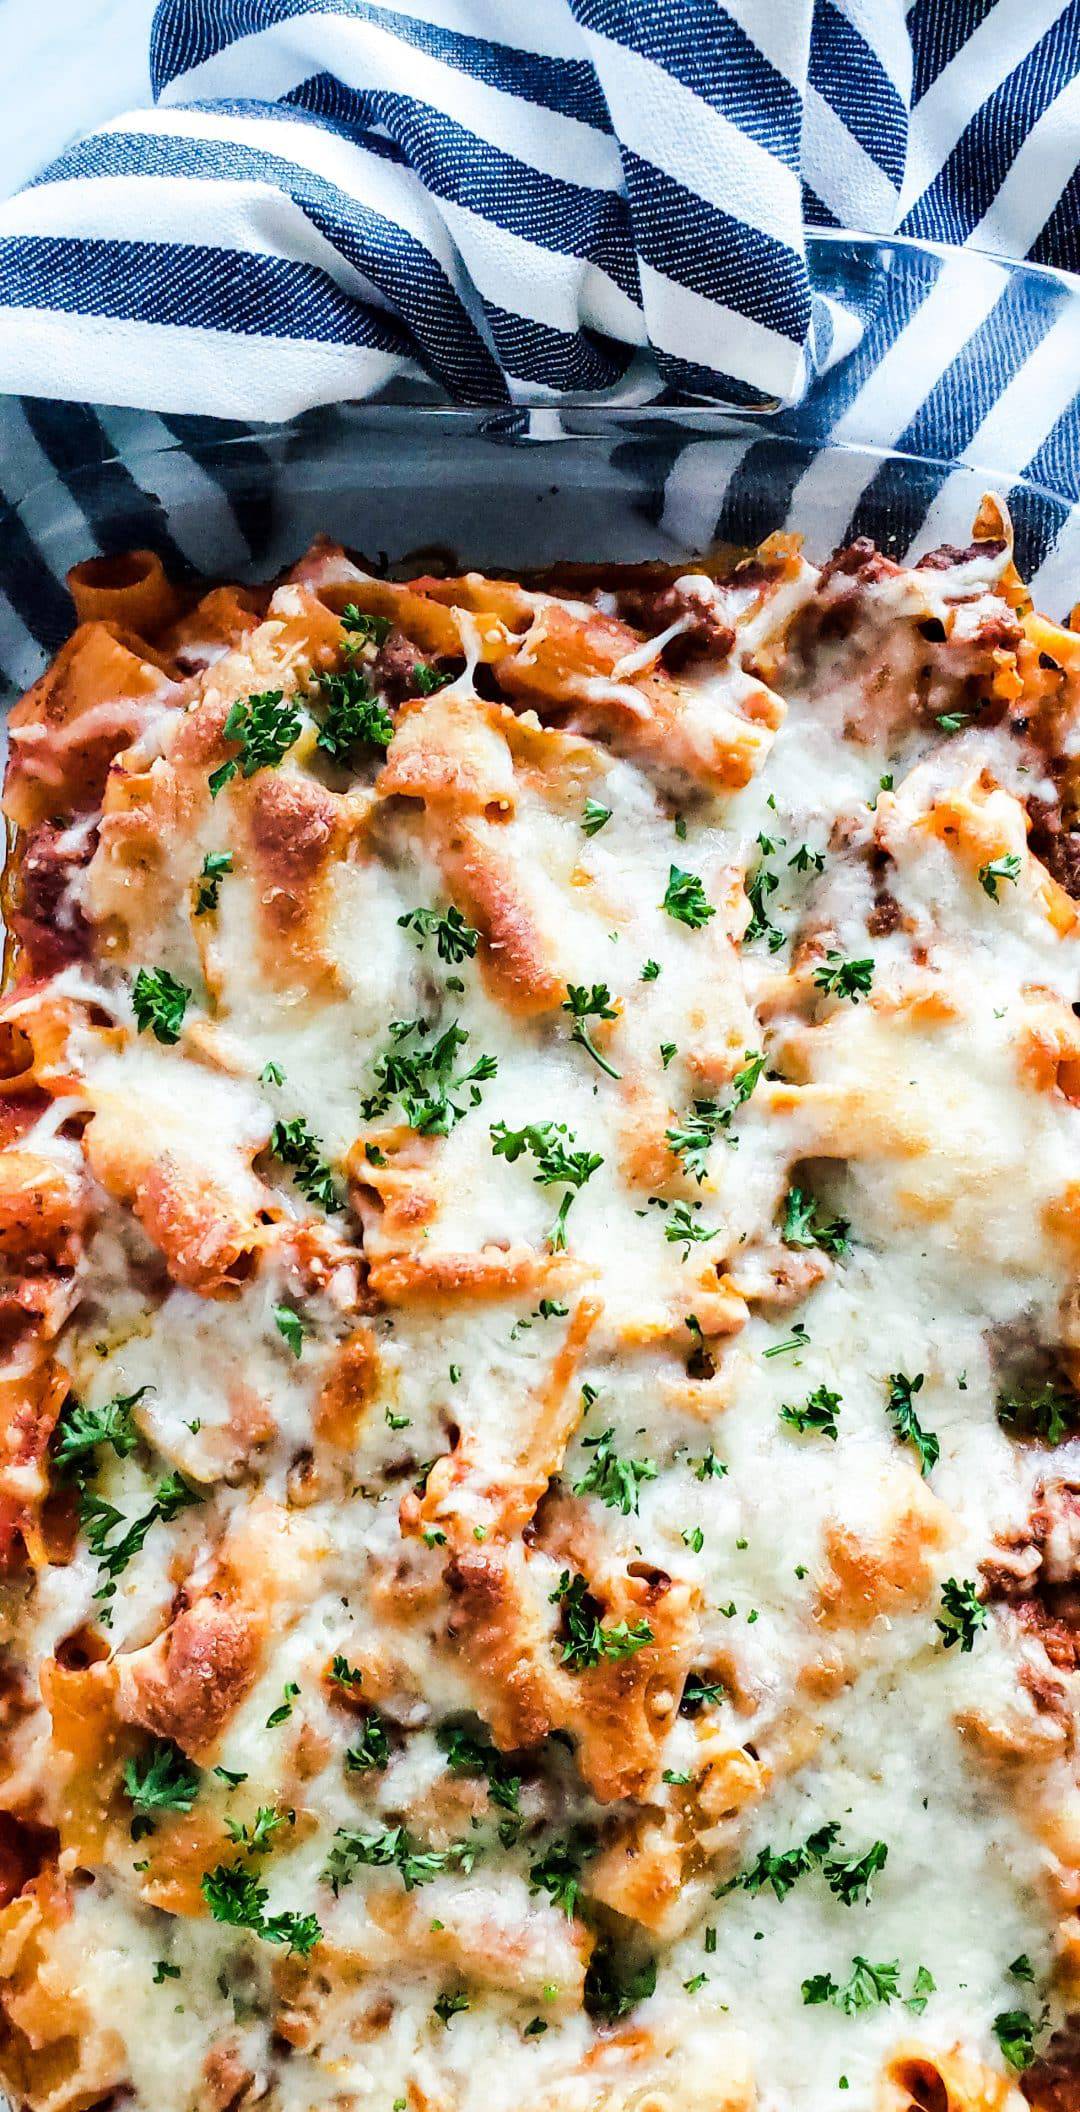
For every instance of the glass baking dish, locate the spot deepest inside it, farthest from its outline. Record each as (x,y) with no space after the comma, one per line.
(876,448)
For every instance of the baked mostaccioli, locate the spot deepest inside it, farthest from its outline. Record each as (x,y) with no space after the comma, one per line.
(540,1221)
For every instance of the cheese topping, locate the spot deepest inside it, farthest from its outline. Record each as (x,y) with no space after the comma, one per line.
(540,1468)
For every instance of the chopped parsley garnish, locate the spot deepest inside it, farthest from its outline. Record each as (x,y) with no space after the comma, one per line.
(805,860)
(583,1005)
(865,1986)
(615,1480)
(682,1229)
(668,1049)
(700,1693)
(394,1849)
(782,1871)
(997,869)
(585,1641)
(301,1150)
(690,1140)
(424,1080)
(594,816)
(963,1613)
(99,1519)
(235,1896)
(427,679)
(905,1422)
(266,728)
(760,885)
(804,1228)
(162,1779)
(447,2006)
(345,1675)
(559,1163)
(709,1468)
(818,1412)
(613,1987)
(290,1327)
(797,1339)
(841,978)
(851,1876)
(466,1755)
(923,1986)
(271,1074)
(80,1430)
(257,1838)
(284,1708)
(649,972)
(693,1537)
(685,899)
(362,629)
(951,721)
(164,1971)
(455,940)
(1045,1412)
(558,1872)
(372,1748)
(1022,1969)
(173,1496)
(215,865)
(354,715)
(1016,2033)
(160,1003)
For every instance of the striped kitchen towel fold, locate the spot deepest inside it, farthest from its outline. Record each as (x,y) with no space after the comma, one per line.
(524,200)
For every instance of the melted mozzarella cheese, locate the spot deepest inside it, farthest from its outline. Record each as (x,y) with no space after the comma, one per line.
(835,1702)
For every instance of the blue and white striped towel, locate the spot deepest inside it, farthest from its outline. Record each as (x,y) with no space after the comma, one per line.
(521,199)
(538,201)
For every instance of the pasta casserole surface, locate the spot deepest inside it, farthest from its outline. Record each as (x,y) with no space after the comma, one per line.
(540,1228)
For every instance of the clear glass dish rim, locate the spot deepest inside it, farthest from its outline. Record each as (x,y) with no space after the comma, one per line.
(398,402)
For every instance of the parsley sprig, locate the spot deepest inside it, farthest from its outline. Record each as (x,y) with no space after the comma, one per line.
(455,941)
(468,1755)
(235,1896)
(215,865)
(424,1080)
(760,885)
(372,1749)
(585,1004)
(159,1002)
(685,899)
(99,1519)
(559,1161)
(803,1227)
(1016,2033)
(266,727)
(161,1779)
(617,1481)
(995,871)
(558,1871)
(865,1987)
(691,1139)
(905,1421)
(818,1412)
(841,978)
(585,1640)
(354,715)
(300,1150)
(1045,1412)
(963,1613)
(80,1431)
(393,1849)
(682,1229)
